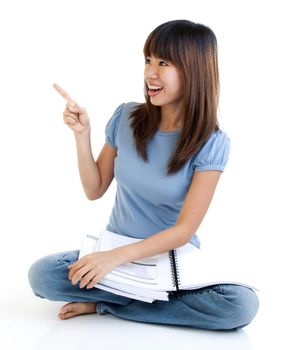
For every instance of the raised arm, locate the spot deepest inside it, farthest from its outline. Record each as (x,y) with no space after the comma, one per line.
(96,176)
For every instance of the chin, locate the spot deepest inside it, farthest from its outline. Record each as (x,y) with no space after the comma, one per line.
(157,104)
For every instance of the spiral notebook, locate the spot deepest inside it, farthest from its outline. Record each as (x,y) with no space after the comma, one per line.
(152,278)
(161,272)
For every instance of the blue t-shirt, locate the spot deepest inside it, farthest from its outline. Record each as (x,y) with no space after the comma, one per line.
(147,199)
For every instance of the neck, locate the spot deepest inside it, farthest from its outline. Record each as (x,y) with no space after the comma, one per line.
(171,118)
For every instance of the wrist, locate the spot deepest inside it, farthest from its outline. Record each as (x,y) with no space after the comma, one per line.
(124,254)
(83,134)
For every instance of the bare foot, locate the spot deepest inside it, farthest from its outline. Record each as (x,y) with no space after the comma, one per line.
(74,309)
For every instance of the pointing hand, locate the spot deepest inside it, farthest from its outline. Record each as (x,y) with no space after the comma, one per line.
(75,117)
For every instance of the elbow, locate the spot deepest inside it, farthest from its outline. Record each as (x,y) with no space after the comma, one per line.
(93,196)
(183,240)
(184,235)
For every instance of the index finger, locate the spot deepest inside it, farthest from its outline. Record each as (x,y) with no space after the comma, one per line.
(63,93)
(74,267)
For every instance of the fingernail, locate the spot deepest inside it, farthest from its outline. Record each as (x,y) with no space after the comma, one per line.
(72,109)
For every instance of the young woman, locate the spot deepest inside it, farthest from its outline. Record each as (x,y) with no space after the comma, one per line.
(167,155)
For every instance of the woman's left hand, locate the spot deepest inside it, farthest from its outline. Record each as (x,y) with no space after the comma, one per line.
(91,268)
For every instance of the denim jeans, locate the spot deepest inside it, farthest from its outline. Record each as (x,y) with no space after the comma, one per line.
(217,307)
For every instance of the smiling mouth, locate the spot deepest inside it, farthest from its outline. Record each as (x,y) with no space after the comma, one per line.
(154,87)
(153,90)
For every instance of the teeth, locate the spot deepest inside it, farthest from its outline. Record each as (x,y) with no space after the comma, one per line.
(153,87)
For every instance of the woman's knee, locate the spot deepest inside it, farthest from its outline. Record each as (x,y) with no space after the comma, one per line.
(39,274)
(44,273)
(244,305)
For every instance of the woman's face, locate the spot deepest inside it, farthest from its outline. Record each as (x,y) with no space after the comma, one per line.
(165,82)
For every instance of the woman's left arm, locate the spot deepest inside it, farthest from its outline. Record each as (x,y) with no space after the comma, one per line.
(93,267)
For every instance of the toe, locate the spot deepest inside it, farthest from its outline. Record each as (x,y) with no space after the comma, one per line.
(73,309)
(67,315)
(67,308)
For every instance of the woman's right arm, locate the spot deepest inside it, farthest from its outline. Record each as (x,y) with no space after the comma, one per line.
(96,176)
(88,170)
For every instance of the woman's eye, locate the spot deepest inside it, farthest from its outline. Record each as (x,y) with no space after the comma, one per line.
(162,63)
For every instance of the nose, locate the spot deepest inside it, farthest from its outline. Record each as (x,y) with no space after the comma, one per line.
(150,72)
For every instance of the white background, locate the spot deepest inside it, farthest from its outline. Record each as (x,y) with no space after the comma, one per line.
(94,51)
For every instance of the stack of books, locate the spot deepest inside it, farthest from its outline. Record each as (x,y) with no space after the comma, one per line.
(184,268)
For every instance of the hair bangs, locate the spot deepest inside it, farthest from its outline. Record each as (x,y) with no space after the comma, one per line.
(160,44)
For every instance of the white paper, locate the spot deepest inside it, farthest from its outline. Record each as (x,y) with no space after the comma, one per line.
(150,279)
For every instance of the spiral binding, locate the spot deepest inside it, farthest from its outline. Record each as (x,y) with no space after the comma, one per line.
(174,268)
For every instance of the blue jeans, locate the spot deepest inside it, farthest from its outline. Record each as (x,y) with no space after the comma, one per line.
(218,307)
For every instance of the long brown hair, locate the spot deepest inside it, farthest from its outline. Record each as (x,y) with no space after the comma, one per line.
(192,48)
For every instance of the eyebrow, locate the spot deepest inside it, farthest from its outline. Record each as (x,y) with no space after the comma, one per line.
(158,58)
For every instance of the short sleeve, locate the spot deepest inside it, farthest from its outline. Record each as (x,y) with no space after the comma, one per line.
(214,153)
(112,126)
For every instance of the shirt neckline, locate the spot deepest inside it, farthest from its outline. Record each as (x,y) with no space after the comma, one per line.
(168,133)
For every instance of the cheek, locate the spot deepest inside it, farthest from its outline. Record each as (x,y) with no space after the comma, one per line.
(177,87)
(175,82)
(146,71)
